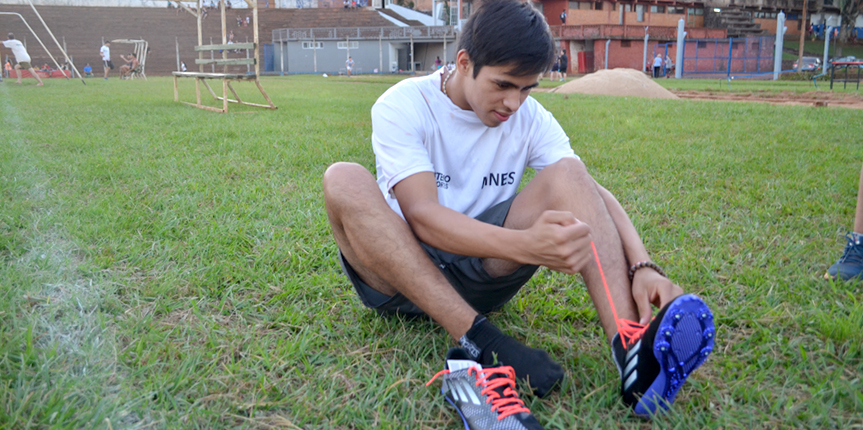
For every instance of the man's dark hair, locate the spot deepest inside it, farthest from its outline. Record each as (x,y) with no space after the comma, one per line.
(508,32)
(10,36)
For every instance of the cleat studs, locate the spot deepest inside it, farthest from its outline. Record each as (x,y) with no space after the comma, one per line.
(677,317)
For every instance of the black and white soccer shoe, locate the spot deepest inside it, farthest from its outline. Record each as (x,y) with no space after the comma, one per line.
(486,399)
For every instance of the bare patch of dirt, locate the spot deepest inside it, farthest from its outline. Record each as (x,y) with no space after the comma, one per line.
(811,98)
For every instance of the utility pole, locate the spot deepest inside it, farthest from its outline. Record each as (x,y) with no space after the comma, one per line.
(803,29)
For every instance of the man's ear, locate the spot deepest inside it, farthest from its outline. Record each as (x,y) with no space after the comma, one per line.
(463,63)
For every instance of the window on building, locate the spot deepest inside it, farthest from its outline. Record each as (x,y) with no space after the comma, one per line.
(313,45)
(696,11)
(625,43)
(639,10)
(584,5)
(701,45)
(677,10)
(597,6)
(657,9)
(353,45)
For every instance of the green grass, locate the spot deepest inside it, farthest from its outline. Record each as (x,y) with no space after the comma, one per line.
(816,48)
(168,267)
(754,86)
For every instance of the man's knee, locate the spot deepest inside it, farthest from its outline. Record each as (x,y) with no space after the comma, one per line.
(569,171)
(345,179)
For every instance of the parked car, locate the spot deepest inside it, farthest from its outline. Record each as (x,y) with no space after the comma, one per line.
(809,64)
(848,59)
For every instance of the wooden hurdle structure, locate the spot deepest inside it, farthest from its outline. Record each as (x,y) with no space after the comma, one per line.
(201,77)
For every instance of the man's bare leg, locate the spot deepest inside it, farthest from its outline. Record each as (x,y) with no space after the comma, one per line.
(858,214)
(384,251)
(38,79)
(567,186)
(18,73)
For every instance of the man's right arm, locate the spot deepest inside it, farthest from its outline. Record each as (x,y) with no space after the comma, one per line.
(556,240)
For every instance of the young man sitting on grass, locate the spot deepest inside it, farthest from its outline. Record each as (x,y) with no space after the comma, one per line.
(443,231)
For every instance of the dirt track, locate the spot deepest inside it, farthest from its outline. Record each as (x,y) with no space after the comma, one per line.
(811,98)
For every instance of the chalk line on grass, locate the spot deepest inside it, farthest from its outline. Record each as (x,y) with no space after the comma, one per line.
(75,345)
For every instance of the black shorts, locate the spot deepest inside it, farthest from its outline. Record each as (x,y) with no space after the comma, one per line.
(108,64)
(465,274)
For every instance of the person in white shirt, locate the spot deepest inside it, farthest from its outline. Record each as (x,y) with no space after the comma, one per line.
(105,52)
(657,65)
(22,58)
(349,65)
(444,232)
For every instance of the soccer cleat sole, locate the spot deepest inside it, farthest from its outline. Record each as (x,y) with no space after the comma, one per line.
(684,340)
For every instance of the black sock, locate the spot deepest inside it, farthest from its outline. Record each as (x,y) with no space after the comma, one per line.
(490,347)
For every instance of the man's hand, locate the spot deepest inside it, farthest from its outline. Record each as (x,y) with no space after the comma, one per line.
(649,287)
(559,241)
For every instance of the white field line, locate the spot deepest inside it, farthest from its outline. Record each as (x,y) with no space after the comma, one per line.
(64,311)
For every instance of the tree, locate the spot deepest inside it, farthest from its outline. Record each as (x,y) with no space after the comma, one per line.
(849,10)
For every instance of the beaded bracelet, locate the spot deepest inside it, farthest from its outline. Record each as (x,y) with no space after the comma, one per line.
(643,264)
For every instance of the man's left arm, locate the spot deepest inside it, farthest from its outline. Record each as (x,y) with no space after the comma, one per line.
(648,286)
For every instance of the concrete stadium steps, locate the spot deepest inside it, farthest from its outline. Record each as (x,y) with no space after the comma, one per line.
(85,27)
(740,23)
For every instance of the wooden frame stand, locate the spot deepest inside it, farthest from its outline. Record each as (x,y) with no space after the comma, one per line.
(201,77)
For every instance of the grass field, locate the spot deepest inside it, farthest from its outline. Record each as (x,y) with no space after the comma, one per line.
(169,267)
(817,47)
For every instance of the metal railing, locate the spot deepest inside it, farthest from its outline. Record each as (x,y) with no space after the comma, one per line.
(364,33)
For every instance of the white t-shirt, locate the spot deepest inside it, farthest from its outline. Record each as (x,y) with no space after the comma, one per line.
(106,53)
(416,128)
(657,62)
(18,50)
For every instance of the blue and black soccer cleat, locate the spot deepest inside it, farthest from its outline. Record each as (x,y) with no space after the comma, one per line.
(656,362)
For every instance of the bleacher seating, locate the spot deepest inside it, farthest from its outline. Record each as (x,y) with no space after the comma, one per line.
(85,27)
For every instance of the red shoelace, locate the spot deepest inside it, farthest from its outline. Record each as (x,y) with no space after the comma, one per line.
(630,331)
(506,404)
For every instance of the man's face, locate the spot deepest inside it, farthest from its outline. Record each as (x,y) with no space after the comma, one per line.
(495,95)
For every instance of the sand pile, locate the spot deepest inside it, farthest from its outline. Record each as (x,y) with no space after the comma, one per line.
(616,82)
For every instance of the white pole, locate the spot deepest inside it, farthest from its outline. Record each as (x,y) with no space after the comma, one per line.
(177,46)
(381,51)
(678,59)
(458,16)
(314,51)
(55,41)
(780,37)
(826,46)
(607,43)
(646,36)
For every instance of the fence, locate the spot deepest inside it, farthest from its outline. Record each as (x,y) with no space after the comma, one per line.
(365,33)
(726,57)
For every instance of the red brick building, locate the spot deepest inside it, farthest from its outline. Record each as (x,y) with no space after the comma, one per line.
(591,26)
